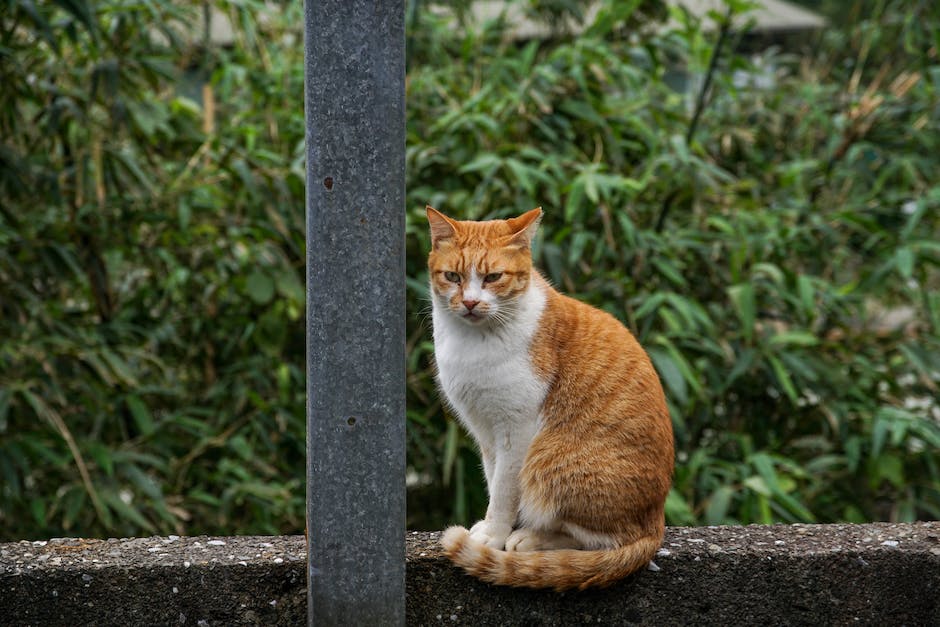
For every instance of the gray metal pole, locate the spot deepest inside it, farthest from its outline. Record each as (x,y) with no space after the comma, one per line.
(355,115)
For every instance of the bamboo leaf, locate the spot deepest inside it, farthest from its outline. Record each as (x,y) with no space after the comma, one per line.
(717,509)
(451,442)
(671,375)
(783,378)
(742,297)
(794,338)
(141,414)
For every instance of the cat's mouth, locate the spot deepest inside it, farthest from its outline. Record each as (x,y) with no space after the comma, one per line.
(473,317)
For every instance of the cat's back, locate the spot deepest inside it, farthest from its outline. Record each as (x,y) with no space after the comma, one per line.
(593,360)
(577,334)
(605,412)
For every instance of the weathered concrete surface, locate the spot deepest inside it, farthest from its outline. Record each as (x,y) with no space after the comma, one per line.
(883,574)
(154,581)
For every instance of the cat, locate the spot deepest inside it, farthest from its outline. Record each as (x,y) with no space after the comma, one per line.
(565,406)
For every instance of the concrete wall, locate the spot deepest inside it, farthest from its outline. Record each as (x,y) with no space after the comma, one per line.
(757,575)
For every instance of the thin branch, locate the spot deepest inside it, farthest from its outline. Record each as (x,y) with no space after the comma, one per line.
(700,104)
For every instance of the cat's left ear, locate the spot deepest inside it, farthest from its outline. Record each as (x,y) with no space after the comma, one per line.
(524,228)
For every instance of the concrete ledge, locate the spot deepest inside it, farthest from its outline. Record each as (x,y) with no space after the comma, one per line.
(196,581)
(772,575)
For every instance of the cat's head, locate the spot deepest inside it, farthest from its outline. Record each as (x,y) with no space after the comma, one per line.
(480,270)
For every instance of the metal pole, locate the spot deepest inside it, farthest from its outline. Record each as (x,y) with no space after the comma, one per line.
(355,116)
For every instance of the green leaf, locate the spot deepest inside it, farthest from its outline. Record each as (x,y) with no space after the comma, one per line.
(141,414)
(671,374)
(668,269)
(142,481)
(757,484)
(793,506)
(486,162)
(38,508)
(590,186)
(743,362)
(125,511)
(73,505)
(879,435)
(81,11)
(889,468)
(928,431)
(807,294)
(574,200)
(918,358)
(610,15)
(794,338)
(461,505)
(521,173)
(765,468)
(102,456)
(783,378)
(682,364)
(770,270)
(451,442)
(717,509)
(651,304)
(98,366)
(578,241)
(904,260)
(742,297)
(6,396)
(681,148)
(853,452)
(40,24)
(118,366)
(678,511)
(289,286)
(129,163)
(260,287)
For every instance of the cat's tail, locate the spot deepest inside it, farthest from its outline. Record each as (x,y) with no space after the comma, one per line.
(562,569)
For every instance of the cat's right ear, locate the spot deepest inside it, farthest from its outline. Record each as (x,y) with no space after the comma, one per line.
(442,227)
(524,228)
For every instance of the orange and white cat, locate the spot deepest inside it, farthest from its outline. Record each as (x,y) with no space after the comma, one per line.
(566,408)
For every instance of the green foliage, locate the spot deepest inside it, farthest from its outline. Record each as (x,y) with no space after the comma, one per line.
(151,254)
(790,218)
(151,275)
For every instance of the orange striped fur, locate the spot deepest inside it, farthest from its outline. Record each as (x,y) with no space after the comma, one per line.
(567,410)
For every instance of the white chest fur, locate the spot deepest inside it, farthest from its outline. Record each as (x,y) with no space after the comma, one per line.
(487,374)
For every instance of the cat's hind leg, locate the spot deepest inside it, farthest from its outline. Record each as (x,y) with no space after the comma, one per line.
(529,539)
(540,529)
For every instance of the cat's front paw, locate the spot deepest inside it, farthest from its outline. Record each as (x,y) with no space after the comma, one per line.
(492,534)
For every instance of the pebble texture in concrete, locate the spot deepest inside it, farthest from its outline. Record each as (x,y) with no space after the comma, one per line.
(196,581)
(881,574)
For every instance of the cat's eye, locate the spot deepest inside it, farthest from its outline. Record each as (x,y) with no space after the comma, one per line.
(453,277)
(492,277)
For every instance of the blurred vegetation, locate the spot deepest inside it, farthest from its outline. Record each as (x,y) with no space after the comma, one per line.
(751,217)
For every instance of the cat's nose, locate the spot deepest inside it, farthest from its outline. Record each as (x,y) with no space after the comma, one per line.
(470,304)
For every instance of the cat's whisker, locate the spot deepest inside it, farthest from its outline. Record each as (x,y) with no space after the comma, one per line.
(425,313)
